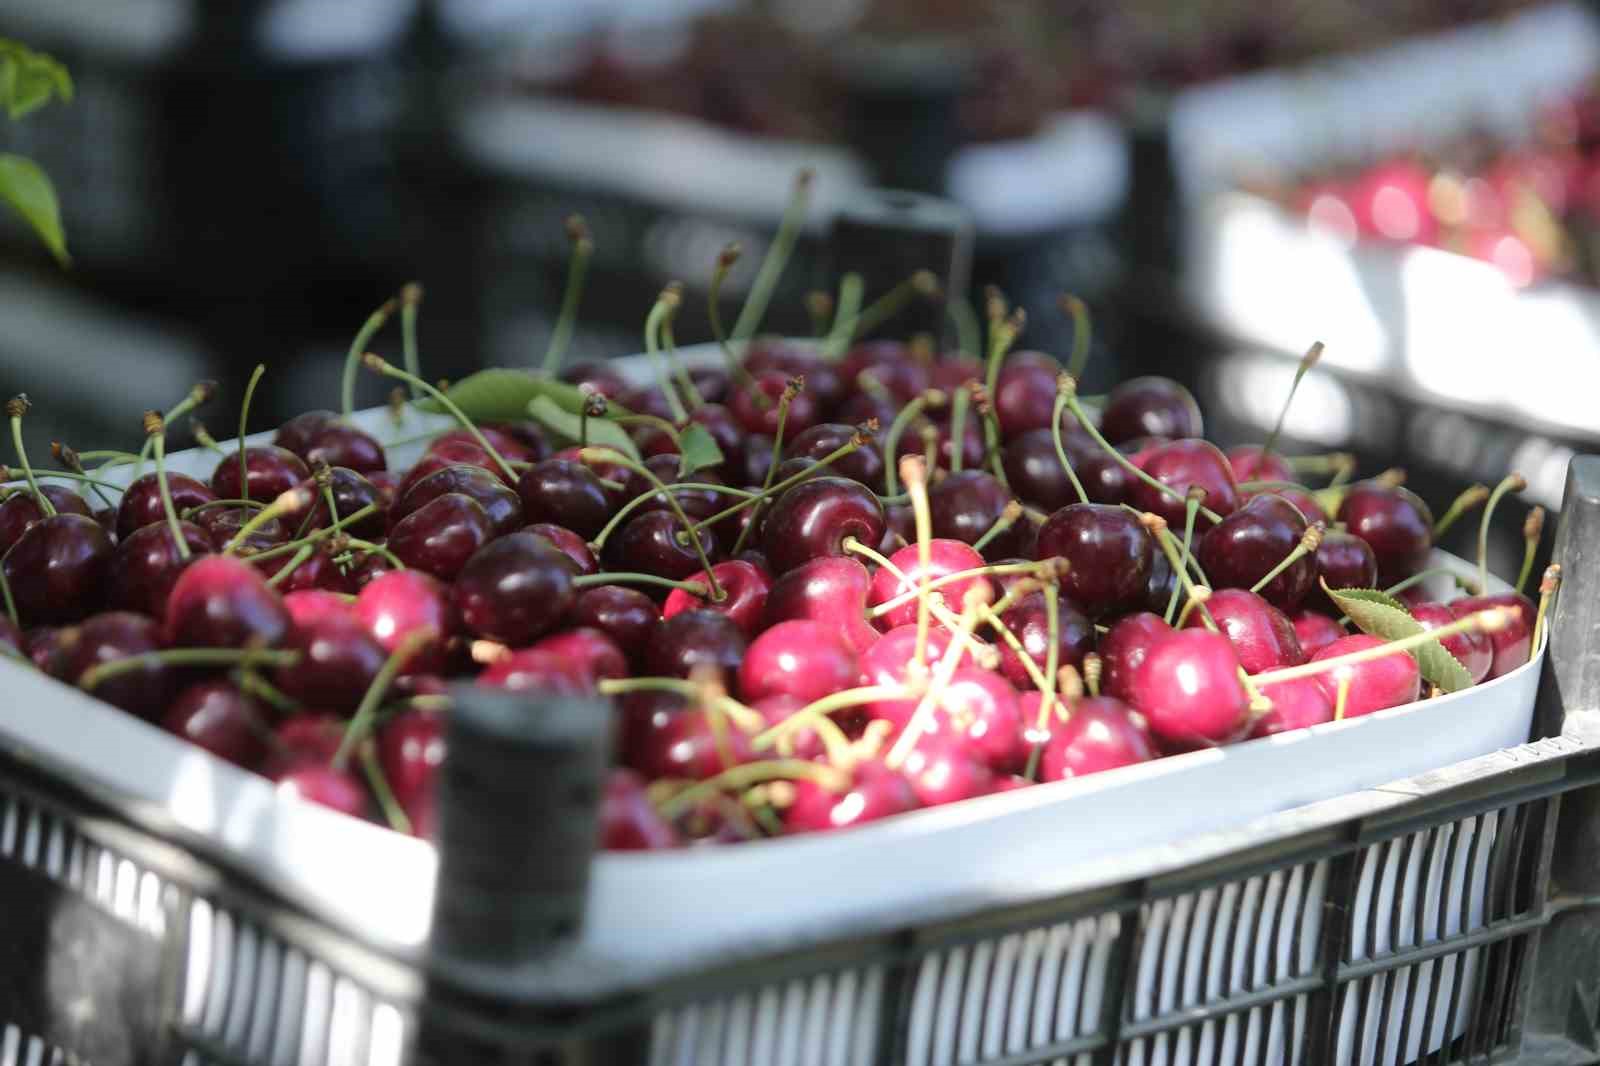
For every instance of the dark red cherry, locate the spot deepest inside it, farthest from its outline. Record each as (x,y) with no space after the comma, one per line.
(943,769)
(1302,499)
(147,564)
(538,671)
(1247,544)
(683,744)
(649,543)
(1513,643)
(696,638)
(224,523)
(725,430)
(47,646)
(1189,691)
(744,587)
(1025,396)
(1395,523)
(216,717)
(628,821)
(696,503)
(1182,465)
(351,493)
(337,790)
(1389,681)
(1028,619)
(1472,650)
(1344,561)
(569,544)
(223,602)
(140,504)
(899,528)
(411,748)
(754,418)
(829,590)
(945,557)
(1158,591)
(305,737)
(567,493)
(1100,733)
(316,571)
(1124,647)
(441,535)
(501,505)
(891,364)
(824,380)
(965,504)
(627,616)
(1315,630)
(270,471)
(1263,638)
(514,589)
(307,606)
(297,433)
(865,464)
(58,568)
(453,454)
(1150,407)
(1035,473)
(338,658)
(1251,463)
(713,383)
(814,518)
(752,471)
(805,660)
(1108,552)
(394,605)
(346,446)
(112,637)
(597,376)
(875,793)
(512,449)
(1296,704)
(590,654)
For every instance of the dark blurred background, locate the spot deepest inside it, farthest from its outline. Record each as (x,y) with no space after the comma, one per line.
(243,182)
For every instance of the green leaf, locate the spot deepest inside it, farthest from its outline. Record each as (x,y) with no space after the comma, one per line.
(29,192)
(29,79)
(602,433)
(1391,622)
(699,449)
(500,394)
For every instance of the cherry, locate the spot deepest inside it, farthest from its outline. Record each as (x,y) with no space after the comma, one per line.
(1263,638)
(813,519)
(864,464)
(338,660)
(979,706)
(744,586)
(696,638)
(1250,462)
(1391,201)
(862,407)
(394,605)
(891,365)
(567,493)
(945,557)
(725,430)
(297,433)
(1100,733)
(139,507)
(441,535)
(1389,681)
(1182,465)
(754,418)
(535,670)
(1344,561)
(589,654)
(308,606)
(1025,396)
(501,505)
(223,602)
(888,662)
(341,445)
(800,743)
(307,737)
(316,571)
(1158,590)
(224,523)
(335,789)
(954,370)
(1472,649)
(1315,630)
(114,636)
(628,821)
(1395,523)
(514,589)
(47,646)
(601,468)
(270,471)
(147,564)
(942,769)
(696,503)
(627,616)
(1109,556)
(411,747)
(825,382)
(525,432)
(875,793)
(1302,499)
(454,454)
(1034,471)
(1513,642)
(1150,407)
(829,590)
(1189,691)
(648,400)
(663,740)
(216,717)
(1029,621)
(803,659)
(713,383)
(972,447)
(58,567)
(649,542)
(1296,704)
(569,544)
(966,503)
(899,527)
(367,569)
(1249,543)
(752,469)
(1125,646)
(511,448)
(352,492)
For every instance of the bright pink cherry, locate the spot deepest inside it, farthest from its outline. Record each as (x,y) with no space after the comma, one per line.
(1295,705)
(1251,463)
(745,588)
(535,670)
(222,602)
(944,769)
(1512,643)
(1182,465)
(1471,649)
(875,793)
(1262,637)
(628,821)
(945,557)
(829,590)
(325,786)
(589,653)
(306,606)
(1188,689)
(1124,647)
(1389,681)
(396,604)
(803,659)
(1315,630)
(1100,733)
(980,706)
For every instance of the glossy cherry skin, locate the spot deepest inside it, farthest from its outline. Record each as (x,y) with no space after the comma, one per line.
(1302,499)
(147,564)
(628,820)
(1315,630)
(1029,621)
(47,646)
(697,638)
(1295,705)
(1189,691)
(696,503)
(829,590)
(512,449)
(662,739)
(306,737)
(1035,473)
(569,544)
(889,662)
(453,454)
(441,535)
(140,504)
(1109,556)
(875,793)
(865,464)
(338,660)
(754,418)
(912,442)
(1124,647)
(533,670)
(799,743)
(112,637)
(224,523)
(337,790)
(1100,733)
(942,769)
(306,606)
(1395,523)
(1390,681)
(1262,636)
(965,504)
(564,492)
(500,504)
(649,543)
(223,602)
(814,518)
(981,708)
(1150,407)
(824,381)
(1247,544)
(1344,561)
(394,605)
(945,557)
(1512,644)
(1182,465)
(1251,463)
(627,616)
(1472,650)
(296,434)
(1025,396)
(270,471)
(589,654)
(341,445)
(514,589)
(352,492)
(316,571)
(744,586)
(57,569)
(216,717)
(411,748)
(805,660)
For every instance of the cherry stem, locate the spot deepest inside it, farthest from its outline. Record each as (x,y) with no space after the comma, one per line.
(16,407)
(1052,663)
(747,774)
(381,551)
(747,719)
(1082,334)
(1548,586)
(766,282)
(1191,506)
(819,309)
(665,305)
(923,283)
(252,684)
(74,463)
(1342,698)
(1158,528)
(377,364)
(1008,518)
(1463,503)
(393,813)
(361,721)
(68,475)
(11,604)
(1486,621)
(897,428)
(691,391)
(1510,483)
(920,719)
(1197,598)
(819,710)
(613,456)
(844,319)
(1093,666)
(352,360)
(992,570)
(96,675)
(1532,530)
(195,397)
(640,500)
(293,501)
(244,423)
(204,437)
(577,270)
(969,335)
(156,430)
(914,471)
(410,304)
(736,371)
(1308,544)
(1067,386)
(311,538)
(1422,575)
(301,554)
(1307,361)
(853,444)
(121,458)
(1061,451)
(790,390)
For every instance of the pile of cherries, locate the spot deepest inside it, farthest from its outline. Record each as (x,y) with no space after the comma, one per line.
(911,579)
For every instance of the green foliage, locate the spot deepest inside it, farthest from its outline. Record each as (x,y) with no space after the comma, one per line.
(28,81)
